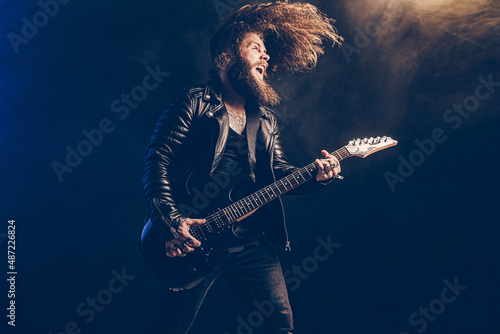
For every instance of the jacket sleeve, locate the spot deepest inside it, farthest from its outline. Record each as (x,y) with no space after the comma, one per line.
(283,168)
(161,162)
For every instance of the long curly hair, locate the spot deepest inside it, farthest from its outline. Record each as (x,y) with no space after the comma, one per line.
(295,35)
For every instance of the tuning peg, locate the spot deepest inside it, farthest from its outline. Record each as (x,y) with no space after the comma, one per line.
(376,140)
(351,142)
(370,141)
(384,139)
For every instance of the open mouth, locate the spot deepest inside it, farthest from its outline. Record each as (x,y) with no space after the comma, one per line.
(261,69)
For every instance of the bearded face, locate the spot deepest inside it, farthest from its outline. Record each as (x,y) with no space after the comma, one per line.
(250,81)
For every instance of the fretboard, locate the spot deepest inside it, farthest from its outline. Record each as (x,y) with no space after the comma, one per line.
(220,220)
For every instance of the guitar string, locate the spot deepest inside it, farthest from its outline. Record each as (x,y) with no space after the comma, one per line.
(233,208)
(216,217)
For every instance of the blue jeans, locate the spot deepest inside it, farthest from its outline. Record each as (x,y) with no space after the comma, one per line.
(255,276)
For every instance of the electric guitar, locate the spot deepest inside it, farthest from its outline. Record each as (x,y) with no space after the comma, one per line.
(217,235)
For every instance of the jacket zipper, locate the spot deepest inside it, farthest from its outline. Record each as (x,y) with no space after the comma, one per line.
(165,221)
(287,245)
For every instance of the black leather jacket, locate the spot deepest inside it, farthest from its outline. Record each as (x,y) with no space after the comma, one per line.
(191,134)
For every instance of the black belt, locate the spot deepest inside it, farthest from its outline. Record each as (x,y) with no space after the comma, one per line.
(244,247)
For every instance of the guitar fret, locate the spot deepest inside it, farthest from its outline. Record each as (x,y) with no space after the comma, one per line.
(248,204)
(338,155)
(223,215)
(258,198)
(237,208)
(235,212)
(269,191)
(268,195)
(245,206)
(242,208)
(228,214)
(232,212)
(252,204)
(264,192)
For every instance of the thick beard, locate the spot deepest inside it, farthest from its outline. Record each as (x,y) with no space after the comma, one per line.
(247,85)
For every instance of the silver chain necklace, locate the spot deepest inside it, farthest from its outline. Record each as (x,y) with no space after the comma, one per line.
(237,122)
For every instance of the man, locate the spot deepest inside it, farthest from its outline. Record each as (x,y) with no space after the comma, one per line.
(224,126)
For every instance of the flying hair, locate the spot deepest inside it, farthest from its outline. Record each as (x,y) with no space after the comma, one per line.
(295,35)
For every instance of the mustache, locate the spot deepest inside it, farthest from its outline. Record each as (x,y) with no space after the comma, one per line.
(260,62)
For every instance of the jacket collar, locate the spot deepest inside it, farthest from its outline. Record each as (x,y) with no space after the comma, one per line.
(212,95)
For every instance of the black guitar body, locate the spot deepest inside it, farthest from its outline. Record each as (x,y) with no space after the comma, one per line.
(185,272)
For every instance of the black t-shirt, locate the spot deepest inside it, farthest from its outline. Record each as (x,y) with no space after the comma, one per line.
(235,155)
(234,165)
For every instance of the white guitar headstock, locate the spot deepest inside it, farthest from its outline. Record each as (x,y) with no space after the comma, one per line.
(366,146)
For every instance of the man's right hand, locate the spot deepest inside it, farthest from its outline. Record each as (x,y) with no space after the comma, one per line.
(185,243)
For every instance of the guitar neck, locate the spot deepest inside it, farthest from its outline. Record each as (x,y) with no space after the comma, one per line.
(278,188)
(221,219)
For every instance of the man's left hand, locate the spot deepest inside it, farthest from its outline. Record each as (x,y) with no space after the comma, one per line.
(328,167)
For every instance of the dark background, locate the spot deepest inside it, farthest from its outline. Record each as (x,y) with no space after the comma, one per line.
(397,245)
